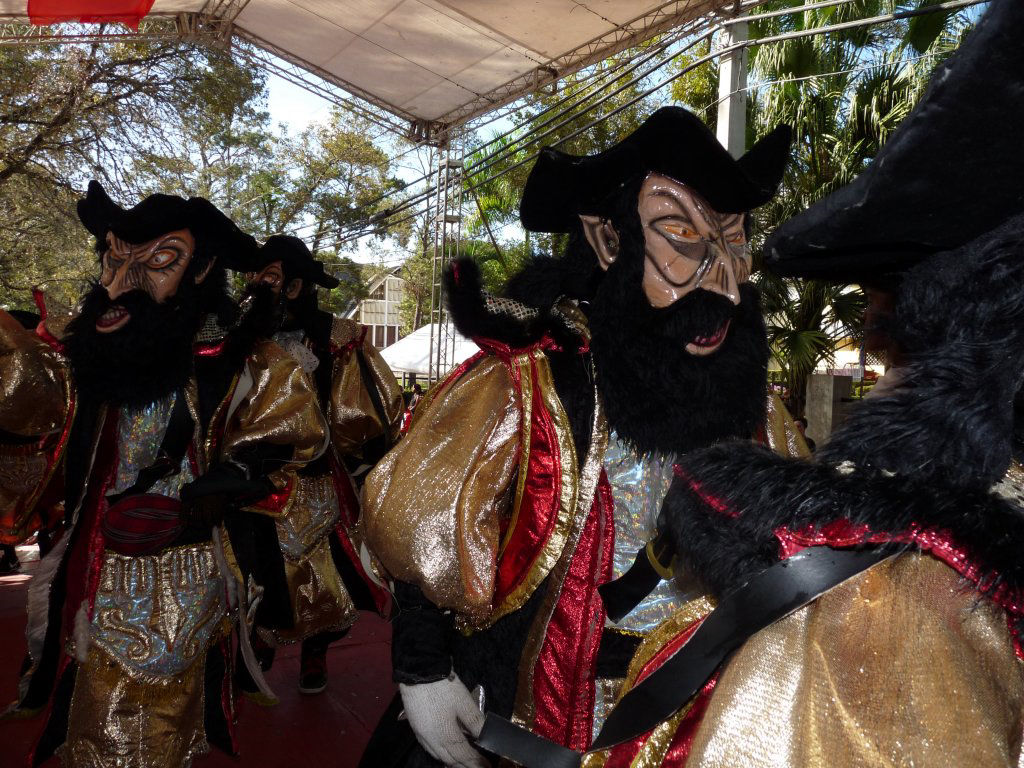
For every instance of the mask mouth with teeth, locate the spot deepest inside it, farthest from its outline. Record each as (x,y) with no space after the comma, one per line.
(146,356)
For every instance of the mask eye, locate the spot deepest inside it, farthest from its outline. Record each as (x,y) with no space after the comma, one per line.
(677,229)
(737,238)
(161,259)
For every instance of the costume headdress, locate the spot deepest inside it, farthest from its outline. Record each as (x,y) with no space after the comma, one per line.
(296,259)
(672,141)
(952,171)
(158,214)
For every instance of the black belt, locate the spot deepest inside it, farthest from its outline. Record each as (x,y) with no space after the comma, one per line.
(768,597)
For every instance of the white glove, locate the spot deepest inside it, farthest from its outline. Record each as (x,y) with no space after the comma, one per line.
(441,714)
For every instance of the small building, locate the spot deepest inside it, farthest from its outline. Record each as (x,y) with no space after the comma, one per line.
(379,310)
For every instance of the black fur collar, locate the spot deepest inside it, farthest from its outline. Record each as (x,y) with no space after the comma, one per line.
(729,503)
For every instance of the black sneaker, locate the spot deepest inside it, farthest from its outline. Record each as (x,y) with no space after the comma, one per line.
(313,669)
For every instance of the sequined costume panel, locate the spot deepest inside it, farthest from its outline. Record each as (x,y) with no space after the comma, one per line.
(34,394)
(118,722)
(312,516)
(899,666)
(639,487)
(26,471)
(320,602)
(319,599)
(353,417)
(157,614)
(140,433)
(434,505)
(279,409)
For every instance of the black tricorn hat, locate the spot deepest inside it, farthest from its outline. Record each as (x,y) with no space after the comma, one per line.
(159,214)
(296,260)
(672,141)
(953,170)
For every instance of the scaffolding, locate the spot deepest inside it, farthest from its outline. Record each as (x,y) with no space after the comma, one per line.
(444,217)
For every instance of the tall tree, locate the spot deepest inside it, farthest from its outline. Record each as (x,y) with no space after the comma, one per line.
(68,113)
(844,92)
(149,116)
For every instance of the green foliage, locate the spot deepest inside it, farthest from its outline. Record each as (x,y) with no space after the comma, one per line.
(697,89)
(844,93)
(171,117)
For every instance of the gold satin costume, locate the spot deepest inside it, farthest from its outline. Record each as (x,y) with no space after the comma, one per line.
(434,507)
(902,665)
(138,691)
(320,601)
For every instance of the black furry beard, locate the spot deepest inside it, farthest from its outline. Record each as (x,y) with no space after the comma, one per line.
(658,397)
(262,311)
(147,359)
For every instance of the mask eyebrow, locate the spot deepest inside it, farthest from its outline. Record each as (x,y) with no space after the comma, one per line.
(688,202)
(731,220)
(175,241)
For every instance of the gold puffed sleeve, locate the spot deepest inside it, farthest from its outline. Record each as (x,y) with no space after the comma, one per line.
(780,432)
(899,666)
(354,419)
(278,407)
(433,506)
(34,388)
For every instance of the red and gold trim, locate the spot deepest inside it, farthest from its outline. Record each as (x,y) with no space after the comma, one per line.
(546,497)
(670,742)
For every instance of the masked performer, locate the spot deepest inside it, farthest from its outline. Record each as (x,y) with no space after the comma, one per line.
(899,540)
(308,562)
(29,499)
(167,420)
(541,461)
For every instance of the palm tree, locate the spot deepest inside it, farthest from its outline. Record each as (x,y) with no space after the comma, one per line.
(843,93)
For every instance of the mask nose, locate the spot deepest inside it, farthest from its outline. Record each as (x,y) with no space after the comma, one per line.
(119,282)
(720,276)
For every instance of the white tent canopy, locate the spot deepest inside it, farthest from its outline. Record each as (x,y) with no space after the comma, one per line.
(434,63)
(412,353)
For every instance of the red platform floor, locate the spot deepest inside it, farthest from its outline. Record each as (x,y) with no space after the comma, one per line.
(327,731)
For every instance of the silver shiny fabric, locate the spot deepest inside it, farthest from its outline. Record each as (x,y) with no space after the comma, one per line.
(639,486)
(157,614)
(140,431)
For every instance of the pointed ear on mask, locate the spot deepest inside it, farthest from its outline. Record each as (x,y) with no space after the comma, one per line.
(294,288)
(602,238)
(204,272)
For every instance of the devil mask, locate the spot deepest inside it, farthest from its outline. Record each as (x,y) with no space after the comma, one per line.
(678,337)
(162,272)
(282,284)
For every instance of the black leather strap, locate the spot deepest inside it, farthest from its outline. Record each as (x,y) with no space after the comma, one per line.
(521,746)
(625,593)
(768,597)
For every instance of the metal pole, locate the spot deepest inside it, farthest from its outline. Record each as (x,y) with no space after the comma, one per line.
(732,91)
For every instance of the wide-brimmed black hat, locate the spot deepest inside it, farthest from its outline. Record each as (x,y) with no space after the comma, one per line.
(953,170)
(296,259)
(672,141)
(159,214)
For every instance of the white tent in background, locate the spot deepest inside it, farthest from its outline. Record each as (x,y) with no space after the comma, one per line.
(411,354)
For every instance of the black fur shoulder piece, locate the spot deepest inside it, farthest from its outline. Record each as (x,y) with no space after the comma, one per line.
(478,314)
(916,465)
(728,502)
